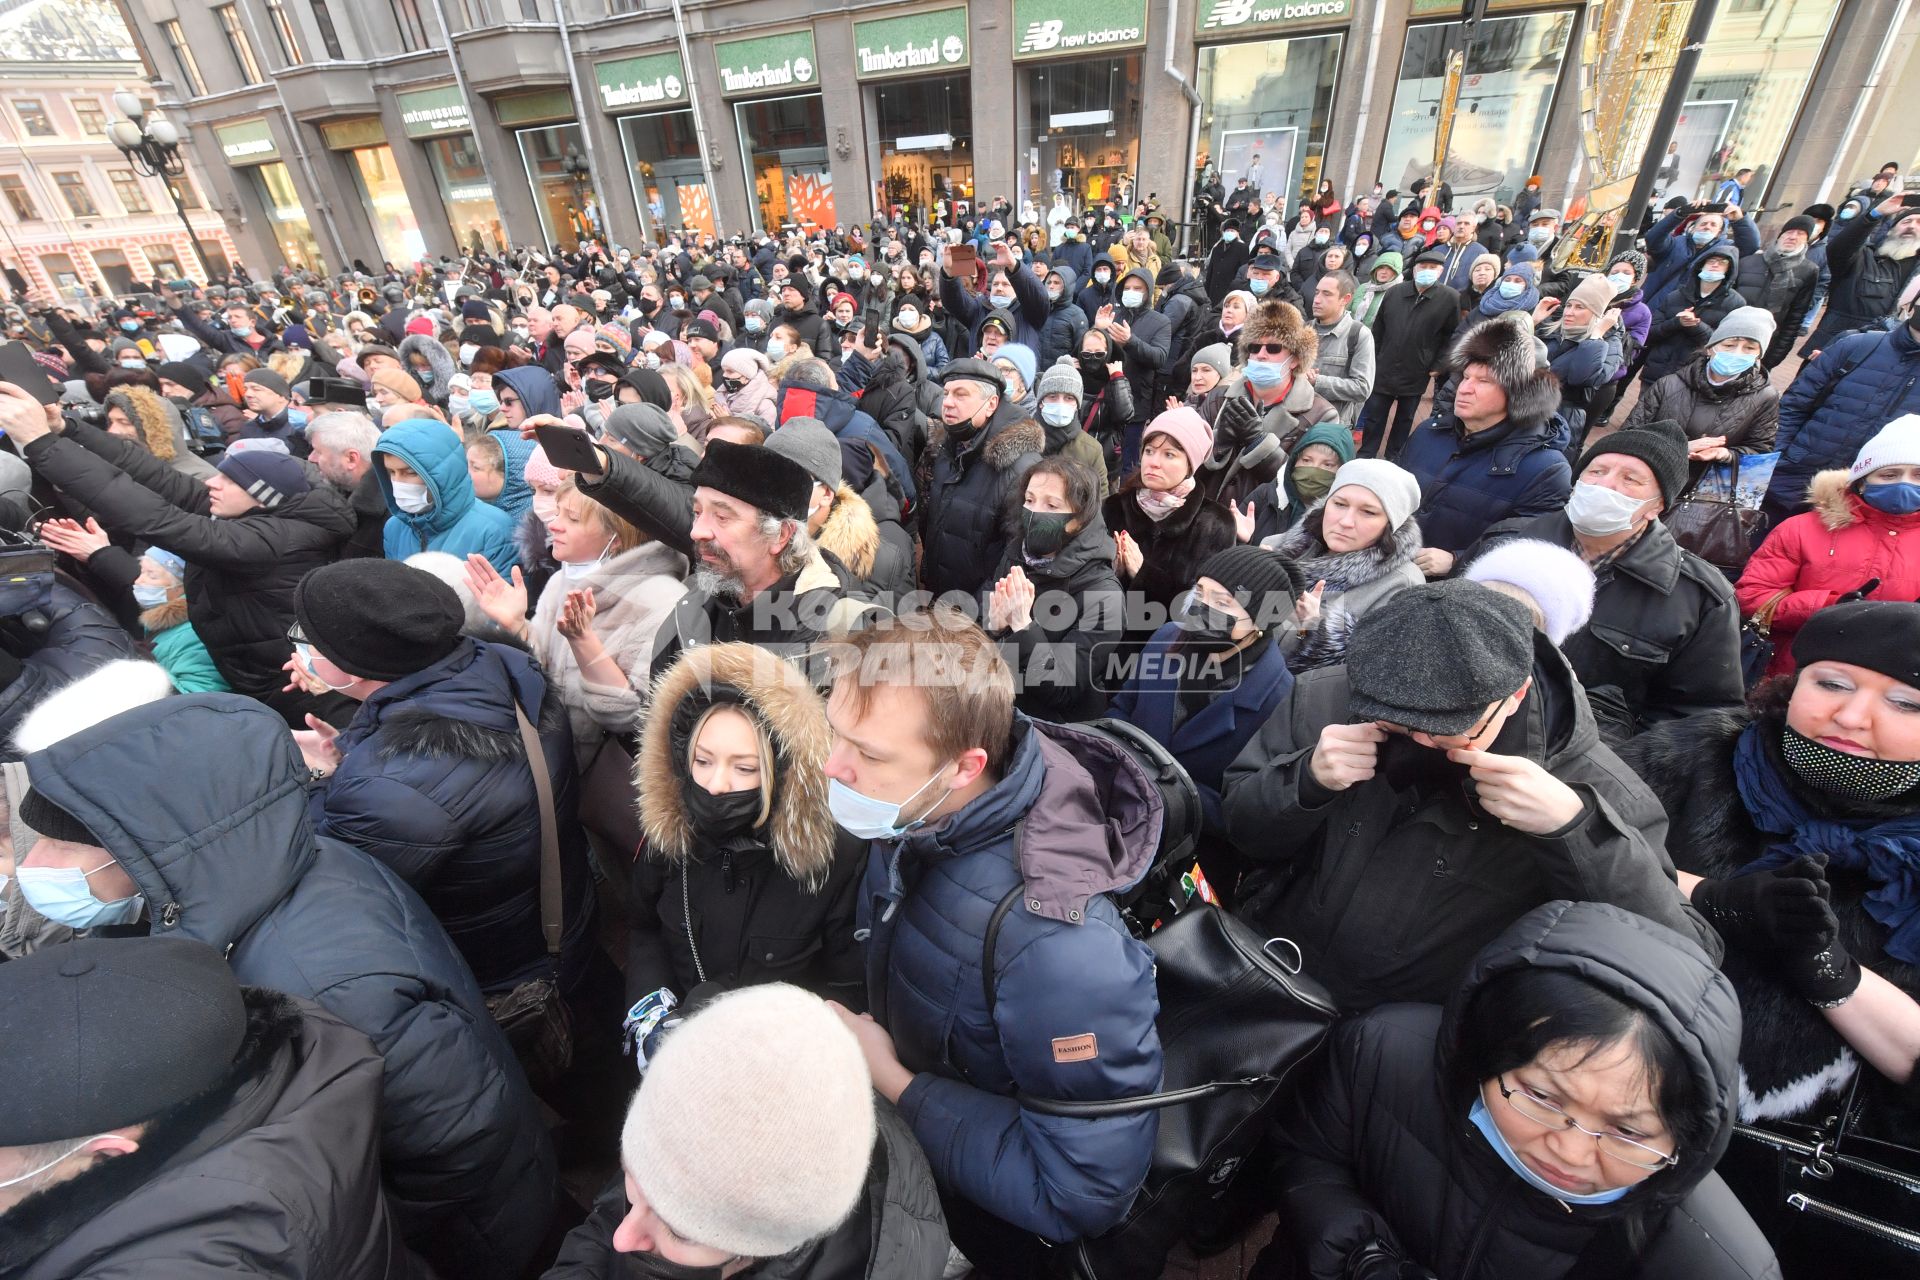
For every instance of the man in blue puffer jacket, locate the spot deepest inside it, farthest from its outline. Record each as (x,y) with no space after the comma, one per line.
(422,468)
(431,778)
(976,812)
(1677,243)
(1860,383)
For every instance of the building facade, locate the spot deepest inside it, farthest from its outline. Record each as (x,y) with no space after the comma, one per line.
(385,129)
(76,217)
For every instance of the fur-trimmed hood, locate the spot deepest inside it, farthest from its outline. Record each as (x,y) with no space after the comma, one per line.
(434,352)
(161,429)
(1831,495)
(1277,321)
(165,617)
(1505,344)
(1006,443)
(850,533)
(785,707)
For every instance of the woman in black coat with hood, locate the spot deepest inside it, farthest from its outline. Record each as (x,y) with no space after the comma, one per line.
(1163,526)
(1560,1118)
(745,878)
(1055,599)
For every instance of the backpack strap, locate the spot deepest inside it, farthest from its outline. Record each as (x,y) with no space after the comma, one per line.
(550,896)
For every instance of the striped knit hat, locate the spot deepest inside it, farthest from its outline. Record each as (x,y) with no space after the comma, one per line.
(269,478)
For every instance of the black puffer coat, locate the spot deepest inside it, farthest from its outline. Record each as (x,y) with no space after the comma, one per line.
(1391,886)
(240,572)
(1078,615)
(273,1172)
(1664,638)
(1783,287)
(895,1232)
(1378,1145)
(774,905)
(1670,343)
(1795,1065)
(1746,409)
(965,490)
(1172,551)
(79,636)
(222,849)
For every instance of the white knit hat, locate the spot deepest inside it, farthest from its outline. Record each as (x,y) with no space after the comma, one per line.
(1557,581)
(753,1129)
(1896,444)
(1395,486)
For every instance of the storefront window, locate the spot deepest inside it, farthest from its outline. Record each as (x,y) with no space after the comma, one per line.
(1082,131)
(466,194)
(785,140)
(1502,113)
(1266,107)
(562,190)
(663,159)
(394,225)
(1746,93)
(291,232)
(925,134)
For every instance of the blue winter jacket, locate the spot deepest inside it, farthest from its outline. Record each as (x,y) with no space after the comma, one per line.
(1029,310)
(1881,382)
(433,782)
(1672,258)
(847,421)
(223,849)
(457,522)
(516,495)
(1470,482)
(535,387)
(1072,818)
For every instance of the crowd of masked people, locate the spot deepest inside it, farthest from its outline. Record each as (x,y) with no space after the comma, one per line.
(634,762)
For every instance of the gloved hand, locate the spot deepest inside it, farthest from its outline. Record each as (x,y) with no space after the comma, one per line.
(1784,907)
(1378,1260)
(1813,960)
(1860,592)
(1236,425)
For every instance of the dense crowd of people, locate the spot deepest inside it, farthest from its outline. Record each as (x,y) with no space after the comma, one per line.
(700,719)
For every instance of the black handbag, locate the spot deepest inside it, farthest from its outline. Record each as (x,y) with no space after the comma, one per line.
(1835,1200)
(1756,641)
(1235,1022)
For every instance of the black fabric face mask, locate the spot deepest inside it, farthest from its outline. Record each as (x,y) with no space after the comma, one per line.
(1406,765)
(1043,533)
(1203,626)
(599,390)
(720,817)
(651,1266)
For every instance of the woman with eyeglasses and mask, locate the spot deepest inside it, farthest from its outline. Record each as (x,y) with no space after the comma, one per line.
(1211,676)
(1560,1117)
(1796,831)
(1055,598)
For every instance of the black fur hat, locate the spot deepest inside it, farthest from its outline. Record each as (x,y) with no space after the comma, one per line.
(1506,345)
(756,476)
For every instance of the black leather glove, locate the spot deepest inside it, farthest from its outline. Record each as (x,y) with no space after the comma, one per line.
(1378,1260)
(1237,423)
(1860,592)
(1785,907)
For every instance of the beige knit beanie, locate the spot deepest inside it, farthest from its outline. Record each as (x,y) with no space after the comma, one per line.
(753,1129)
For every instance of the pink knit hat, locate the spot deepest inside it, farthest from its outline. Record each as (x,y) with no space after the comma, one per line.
(540,473)
(1186,428)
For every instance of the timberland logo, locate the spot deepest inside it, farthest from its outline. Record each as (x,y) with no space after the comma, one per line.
(768,75)
(658,89)
(907,56)
(1081,1048)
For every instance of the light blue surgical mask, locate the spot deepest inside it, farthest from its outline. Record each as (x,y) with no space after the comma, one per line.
(1427,277)
(754,324)
(1483,1121)
(1901,499)
(1057,413)
(1703,238)
(1001,299)
(1620,283)
(1848,213)
(1731,364)
(1512,288)
(1263,375)
(149,597)
(483,402)
(1131,298)
(305,652)
(1539,237)
(1258,288)
(62,896)
(1712,277)
(865,818)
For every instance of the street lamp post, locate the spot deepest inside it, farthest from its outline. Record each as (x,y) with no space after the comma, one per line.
(154,151)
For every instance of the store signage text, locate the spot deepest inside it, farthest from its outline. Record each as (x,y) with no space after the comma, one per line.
(915,42)
(248,141)
(1048,28)
(1228,15)
(432,111)
(769,62)
(641,82)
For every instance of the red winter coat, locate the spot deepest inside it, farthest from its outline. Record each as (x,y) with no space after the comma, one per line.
(1821,554)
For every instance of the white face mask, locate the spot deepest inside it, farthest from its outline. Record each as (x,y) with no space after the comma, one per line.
(1600,512)
(411,497)
(573,569)
(907,319)
(545,507)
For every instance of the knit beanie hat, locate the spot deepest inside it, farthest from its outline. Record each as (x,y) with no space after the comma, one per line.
(190,376)
(756,476)
(1524,261)
(1021,357)
(1800,222)
(378,619)
(1633,258)
(612,333)
(1746,322)
(1661,444)
(270,380)
(1896,444)
(753,1129)
(1595,292)
(1277,321)
(1557,581)
(1880,635)
(475,309)
(1393,485)
(743,362)
(1185,428)
(421,324)
(1217,356)
(1436,656)
(1062,378)
(167,560)
(808,442)
(399,383)
(269,478)
(539,472)
(1255,576)
(100,1033)
(644,428)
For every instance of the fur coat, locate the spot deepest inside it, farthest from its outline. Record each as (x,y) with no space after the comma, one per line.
(1356,582)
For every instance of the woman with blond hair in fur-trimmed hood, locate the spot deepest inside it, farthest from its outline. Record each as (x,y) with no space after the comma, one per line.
(746,878)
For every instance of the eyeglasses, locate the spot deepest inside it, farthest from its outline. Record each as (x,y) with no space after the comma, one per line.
(1614,1145)
(1267,348)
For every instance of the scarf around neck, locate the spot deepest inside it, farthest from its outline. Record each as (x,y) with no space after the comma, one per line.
(1159,504)
(1886,849)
